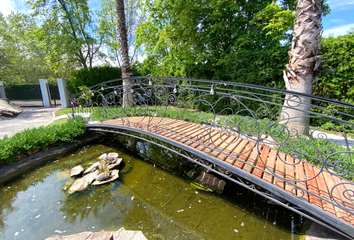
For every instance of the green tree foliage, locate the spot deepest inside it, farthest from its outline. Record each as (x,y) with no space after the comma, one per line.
(339,57)
(67,33)
(21,58)
(213,39)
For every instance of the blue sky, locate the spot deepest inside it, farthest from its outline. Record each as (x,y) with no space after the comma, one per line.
(338,22)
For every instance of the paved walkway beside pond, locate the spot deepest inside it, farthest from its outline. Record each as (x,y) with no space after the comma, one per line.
(30,117)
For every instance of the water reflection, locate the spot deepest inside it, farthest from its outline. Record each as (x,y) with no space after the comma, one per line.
(161,205)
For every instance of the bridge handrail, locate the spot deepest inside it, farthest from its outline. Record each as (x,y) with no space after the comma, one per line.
(226,83)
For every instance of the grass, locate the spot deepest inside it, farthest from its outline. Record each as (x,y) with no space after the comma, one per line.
(22,143)
(60,121)
(63,111)
(321,153)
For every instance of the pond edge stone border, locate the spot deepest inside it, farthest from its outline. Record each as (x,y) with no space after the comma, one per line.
(121,234)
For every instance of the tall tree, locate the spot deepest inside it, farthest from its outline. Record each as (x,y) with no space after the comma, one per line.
(107,18)
(304,62)
(68,32)
(126,67)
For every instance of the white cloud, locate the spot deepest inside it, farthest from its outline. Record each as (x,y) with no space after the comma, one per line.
(339,30)
(7,6)
(340,4)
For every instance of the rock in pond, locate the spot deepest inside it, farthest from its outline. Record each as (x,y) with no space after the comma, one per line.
(121,234)
(103,156)
(76,171)
(91,176)
(114,176)
(115,163)
(112,156)
(92,168)
(79,184)
(103,176)
(82,183)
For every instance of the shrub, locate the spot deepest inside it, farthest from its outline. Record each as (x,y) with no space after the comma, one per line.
(91,76)
(29,139)
(23,91)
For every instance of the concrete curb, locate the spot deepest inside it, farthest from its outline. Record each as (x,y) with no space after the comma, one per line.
(53,117)
(8,172)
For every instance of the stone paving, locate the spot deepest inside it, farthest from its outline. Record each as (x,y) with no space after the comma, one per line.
(121,234)
(335,138)
(30,117)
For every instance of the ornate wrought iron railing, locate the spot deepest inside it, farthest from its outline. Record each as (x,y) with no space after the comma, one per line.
(308,128)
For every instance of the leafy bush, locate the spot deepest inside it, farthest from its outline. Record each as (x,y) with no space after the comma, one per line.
(339,57)
(339,53)
(29,139)
(91,76)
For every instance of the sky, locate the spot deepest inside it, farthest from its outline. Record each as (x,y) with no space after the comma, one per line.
(338,22)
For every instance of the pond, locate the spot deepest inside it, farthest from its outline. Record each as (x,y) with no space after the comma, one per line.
(162,205)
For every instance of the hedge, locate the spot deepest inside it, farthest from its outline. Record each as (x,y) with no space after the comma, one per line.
(23,91)
(91,76)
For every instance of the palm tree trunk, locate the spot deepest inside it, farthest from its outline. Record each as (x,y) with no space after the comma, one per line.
(126,68)
(304,60)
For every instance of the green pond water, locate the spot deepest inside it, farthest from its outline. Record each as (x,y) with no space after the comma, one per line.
(162,205)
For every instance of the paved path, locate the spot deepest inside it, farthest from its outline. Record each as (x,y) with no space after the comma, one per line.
(30,117)
(335,138)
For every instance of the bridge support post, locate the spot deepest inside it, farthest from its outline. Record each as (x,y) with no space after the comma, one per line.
(45,92)
(2,90)
(63,92)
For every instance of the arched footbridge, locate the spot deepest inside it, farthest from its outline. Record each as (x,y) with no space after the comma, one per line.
(291,148)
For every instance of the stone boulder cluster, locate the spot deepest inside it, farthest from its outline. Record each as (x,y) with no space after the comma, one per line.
(101,172)
(121,234)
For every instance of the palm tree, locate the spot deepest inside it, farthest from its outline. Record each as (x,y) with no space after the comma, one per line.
(304,62)
(123,41)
